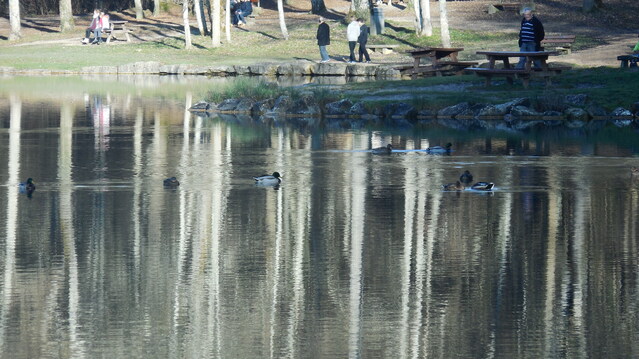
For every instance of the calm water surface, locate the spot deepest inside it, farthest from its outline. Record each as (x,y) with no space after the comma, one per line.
(354,255)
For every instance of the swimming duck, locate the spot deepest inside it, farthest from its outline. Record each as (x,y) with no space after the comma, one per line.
(440,149)
(269,180)
(457,186)
(466,178)
(171,182)
(27,187)
(383,150)
(483,186)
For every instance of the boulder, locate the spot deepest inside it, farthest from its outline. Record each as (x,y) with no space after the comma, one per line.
(228,104)
(305,106)
(331,69)
(504,108)
(452,111)
(201,106)
(576,114)
(221,70)
(141,67)
(245,105)
(384,72)
(282,104)
(358,109)
(523,111)
(400,111)
(262,107)
(242,70)
(576,100)
(341,107)
(621,112)
(265,69)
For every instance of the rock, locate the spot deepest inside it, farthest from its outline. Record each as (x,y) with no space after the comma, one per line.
(201,106)
(331,69)
(576,100)
(492,111)
(305,106)
(384,72)
(522,125)
(242,70)
(245,105)
(141,67)
(358,109)
(400,111)
(266,69)
(504,108)
(523,111)
(635,108)
(262,107)
(282,104)
(596,111)
(228,104)
(621,112)
(576,114)
(622,123)
(452,111)
(426,113)
(341,107)
(221,70)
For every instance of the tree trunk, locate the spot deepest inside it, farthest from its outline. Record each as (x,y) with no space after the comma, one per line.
(427,24)
(359,6)
(187,26)
(14,19)
(418,16)
(139,13)
(215,23)
(201,24)
(156,7)
(443,19)
(280,11)
(317,7)
(227,20)
(66,16)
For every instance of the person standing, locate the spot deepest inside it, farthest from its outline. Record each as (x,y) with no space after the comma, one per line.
(352,34)
(362,40)
(323,39)
(530,36)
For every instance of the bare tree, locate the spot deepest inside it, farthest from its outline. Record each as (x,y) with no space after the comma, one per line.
(280,11)
(199,16)
(187,25)
(14,20)
(317,6)
(66,16)
(156,7)
(139,13)
(443,20)
(215,22)
(426,28)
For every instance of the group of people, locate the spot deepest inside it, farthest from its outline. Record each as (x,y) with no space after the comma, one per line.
(240,10)
(99,22)
(356,33)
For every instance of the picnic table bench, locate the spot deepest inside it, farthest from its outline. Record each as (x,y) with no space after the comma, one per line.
(563,43)
(117,25)
(510,72)
(443,60)
(383,49)
(497,7)
(628,60)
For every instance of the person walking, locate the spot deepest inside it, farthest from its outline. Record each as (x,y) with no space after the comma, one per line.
(362,39)
(530,35)
(323,39)
(352,34)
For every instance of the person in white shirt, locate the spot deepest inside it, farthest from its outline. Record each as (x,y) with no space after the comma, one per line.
(352,34)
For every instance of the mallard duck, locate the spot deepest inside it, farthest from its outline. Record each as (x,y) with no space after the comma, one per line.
(382,150)
(171,182)
(440,149)
(269,180)
(27,187)
(457,186)
(483,186)
(466,178)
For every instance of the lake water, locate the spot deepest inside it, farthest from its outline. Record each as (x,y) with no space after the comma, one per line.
(355,255)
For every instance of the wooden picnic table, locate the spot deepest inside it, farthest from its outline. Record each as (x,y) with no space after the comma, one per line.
(118,25)
(441,59)
(511,72)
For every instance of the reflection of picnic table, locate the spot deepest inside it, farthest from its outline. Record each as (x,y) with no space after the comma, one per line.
(442,59)
(510,72)
(117,25)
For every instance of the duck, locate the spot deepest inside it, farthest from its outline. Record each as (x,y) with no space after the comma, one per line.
(27,187)
(171,182)
(466,178)
(382,150)
(634,171)
(483,186)
(440,149)
(457,186)
(269,180)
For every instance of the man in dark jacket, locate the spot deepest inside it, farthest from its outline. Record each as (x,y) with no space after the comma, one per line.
(362,40)
(245,8)
(530,36)
(323,39)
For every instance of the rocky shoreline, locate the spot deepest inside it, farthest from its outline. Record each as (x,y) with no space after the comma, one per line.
(573,112)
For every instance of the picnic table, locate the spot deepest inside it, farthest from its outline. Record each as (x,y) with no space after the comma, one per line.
(117,25)
(442,59)
(511,72)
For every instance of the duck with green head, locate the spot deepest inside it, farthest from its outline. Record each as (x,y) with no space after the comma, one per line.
(27,187)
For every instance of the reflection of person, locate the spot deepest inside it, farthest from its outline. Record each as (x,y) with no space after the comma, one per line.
(94,24)
(362,39)
(530,36)
(352,33)
(323,39)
